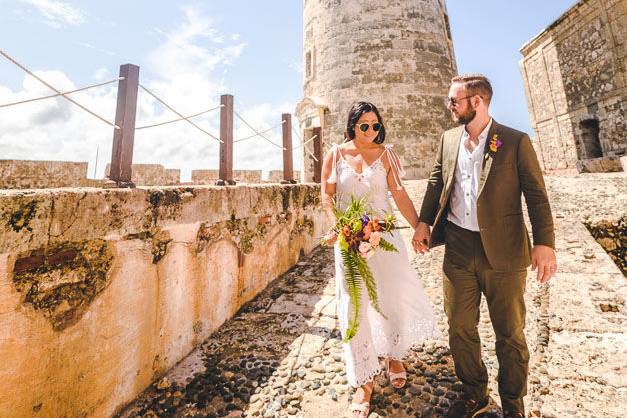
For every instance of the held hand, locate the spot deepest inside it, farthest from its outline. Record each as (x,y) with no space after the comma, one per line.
(330,237)
(422,238)
(543,259)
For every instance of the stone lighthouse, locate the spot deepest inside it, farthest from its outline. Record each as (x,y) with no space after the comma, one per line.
(397,54)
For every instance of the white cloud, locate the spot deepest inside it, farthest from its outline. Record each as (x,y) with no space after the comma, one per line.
(95,48)
(186,70)
(54,129)
(57,13)
(100,74)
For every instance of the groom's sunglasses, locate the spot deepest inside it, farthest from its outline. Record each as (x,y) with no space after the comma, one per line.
(364,126)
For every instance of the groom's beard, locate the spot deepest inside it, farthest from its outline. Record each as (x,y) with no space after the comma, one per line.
(465,118)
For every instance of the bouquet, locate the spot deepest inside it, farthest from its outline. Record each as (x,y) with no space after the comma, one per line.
(360,234)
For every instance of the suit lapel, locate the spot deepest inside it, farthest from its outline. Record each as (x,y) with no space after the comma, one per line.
(451,160)
(487,157)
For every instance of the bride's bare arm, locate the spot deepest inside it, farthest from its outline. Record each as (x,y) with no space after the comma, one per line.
(328,191)
(403,202)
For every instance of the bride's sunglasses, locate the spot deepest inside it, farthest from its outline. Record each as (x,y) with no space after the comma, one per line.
(364,126)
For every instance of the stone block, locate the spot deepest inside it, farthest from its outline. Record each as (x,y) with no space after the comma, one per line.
(600,165)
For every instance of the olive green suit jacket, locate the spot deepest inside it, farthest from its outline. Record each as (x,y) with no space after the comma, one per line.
(506,174)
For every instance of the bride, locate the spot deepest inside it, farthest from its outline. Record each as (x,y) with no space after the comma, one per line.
(363,167)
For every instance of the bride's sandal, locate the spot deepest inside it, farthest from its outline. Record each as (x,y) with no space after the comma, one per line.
(397,379)
(361,410)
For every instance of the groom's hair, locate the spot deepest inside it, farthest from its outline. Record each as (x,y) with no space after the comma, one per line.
(475,84)
(355,113)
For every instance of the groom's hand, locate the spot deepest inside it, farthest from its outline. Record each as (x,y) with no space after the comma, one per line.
(543,259)
(422,238)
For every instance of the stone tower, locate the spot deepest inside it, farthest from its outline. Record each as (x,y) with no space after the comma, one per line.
(397,54)
(574,75)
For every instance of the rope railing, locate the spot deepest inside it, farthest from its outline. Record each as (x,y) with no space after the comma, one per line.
(256,131)
(179,119)
(302,145)
(62,94)
(187,119)
(258,134)
(59,93)
(125,128)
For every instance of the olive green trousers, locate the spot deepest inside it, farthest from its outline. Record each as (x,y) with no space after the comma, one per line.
(468,274)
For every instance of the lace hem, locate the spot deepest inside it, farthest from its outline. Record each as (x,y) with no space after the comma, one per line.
(369,377)
(429,331)
(426,330)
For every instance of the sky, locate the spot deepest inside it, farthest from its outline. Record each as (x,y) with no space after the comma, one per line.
(191,52)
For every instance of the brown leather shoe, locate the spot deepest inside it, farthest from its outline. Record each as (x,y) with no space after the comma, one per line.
(468,408)
(513,412)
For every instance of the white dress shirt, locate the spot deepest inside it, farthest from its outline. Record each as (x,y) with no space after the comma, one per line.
(463,204)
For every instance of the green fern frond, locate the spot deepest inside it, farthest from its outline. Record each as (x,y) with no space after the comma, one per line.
(369,282)
(387,246)
(353,284)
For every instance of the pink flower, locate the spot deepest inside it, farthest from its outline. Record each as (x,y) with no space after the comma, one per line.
(375,238)
(364,248)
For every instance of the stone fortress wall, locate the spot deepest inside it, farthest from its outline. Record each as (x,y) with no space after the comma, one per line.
(26,174)
(21,174)
(398,55)
(103,290)
(574,76)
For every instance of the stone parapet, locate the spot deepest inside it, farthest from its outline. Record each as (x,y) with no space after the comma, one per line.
(152,175)
(276,176)
(29,174)
(240,176)
(102,291)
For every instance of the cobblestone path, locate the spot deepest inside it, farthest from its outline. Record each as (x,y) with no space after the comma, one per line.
(280,356)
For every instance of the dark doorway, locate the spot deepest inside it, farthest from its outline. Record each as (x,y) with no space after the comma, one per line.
(591,146)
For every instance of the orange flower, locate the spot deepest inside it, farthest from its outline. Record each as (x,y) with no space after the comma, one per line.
(495,143)
(374,224)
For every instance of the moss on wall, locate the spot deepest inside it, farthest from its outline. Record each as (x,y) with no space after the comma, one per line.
(21,218)
(62,281)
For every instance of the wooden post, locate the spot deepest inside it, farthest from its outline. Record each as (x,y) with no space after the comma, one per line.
(288,165)
(226,136)
(317,175)
(122,153)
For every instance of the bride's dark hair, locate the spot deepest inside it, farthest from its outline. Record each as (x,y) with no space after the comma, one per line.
(355,113)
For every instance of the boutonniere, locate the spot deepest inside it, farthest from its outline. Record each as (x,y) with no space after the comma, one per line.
(495,143)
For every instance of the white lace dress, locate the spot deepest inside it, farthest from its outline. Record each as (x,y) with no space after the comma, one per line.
(410,319)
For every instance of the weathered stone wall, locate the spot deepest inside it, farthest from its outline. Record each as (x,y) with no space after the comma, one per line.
(152,175)
(27,174)
(398,55)
(574,77)
(276,176)
(101,291)
(240,176)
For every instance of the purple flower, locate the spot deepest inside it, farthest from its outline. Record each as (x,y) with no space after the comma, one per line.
(364,220)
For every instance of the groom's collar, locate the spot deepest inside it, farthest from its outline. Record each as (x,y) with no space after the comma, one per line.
(484,133)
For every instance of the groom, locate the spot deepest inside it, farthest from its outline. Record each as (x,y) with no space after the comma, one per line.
(473,202)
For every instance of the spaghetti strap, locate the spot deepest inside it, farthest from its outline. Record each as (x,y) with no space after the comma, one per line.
(333,176)
(395,164)
(380,156)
